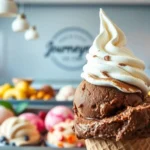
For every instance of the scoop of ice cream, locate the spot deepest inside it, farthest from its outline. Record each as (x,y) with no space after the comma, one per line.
(132,123)
(98,101)
(5,114)
(110,103)
(62,136)
(66,93)
(19,132)
(35,120)
(56,115)
(109,59)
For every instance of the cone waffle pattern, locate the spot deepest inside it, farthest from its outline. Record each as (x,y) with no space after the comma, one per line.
(97,144)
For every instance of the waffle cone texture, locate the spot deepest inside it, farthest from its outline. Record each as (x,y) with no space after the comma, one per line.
(97,144)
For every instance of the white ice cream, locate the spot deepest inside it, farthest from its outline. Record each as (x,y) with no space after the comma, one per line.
(66,93)
(109,61)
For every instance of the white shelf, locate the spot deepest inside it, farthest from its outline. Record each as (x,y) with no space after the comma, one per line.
(84,1)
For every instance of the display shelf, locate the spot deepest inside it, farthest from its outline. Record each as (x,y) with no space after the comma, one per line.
(41,104)
(38,148)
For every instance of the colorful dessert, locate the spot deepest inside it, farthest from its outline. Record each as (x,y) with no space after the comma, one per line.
(3,89)
(62,136)
(22,90)
(42,114)
(56,115)
(48,90)
(5,114)
(18,132)
(66,93)
(14,94)
(22,81)
(110,108)
(35,120)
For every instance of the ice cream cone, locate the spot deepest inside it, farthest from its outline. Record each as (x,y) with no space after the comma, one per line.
(97,144)
(105,104)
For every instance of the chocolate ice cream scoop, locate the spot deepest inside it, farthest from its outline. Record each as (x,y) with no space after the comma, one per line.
(132,123)
(99,101)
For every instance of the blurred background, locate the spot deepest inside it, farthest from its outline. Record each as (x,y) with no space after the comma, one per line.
(43,44)
(66,28)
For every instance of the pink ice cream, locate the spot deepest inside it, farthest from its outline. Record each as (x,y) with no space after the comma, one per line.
(35,120)
(5,114)
(56,115)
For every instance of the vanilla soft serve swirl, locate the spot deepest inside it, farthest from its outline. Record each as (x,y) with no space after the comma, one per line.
(109,61)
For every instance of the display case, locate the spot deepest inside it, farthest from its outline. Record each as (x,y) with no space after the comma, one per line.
(42,104)
(35,108)
(39,148)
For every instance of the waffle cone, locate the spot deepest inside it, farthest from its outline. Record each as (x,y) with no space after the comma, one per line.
(97,144)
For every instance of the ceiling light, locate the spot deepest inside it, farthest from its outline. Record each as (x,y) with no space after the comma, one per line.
(8,8)
(31,34)
(20,24)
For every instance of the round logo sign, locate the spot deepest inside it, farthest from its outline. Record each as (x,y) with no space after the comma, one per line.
(68,47)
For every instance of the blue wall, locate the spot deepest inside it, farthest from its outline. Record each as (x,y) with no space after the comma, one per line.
(19,58)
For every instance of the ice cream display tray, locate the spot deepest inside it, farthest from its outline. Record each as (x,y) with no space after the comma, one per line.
(35,110)
(38,148)
(41,103)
